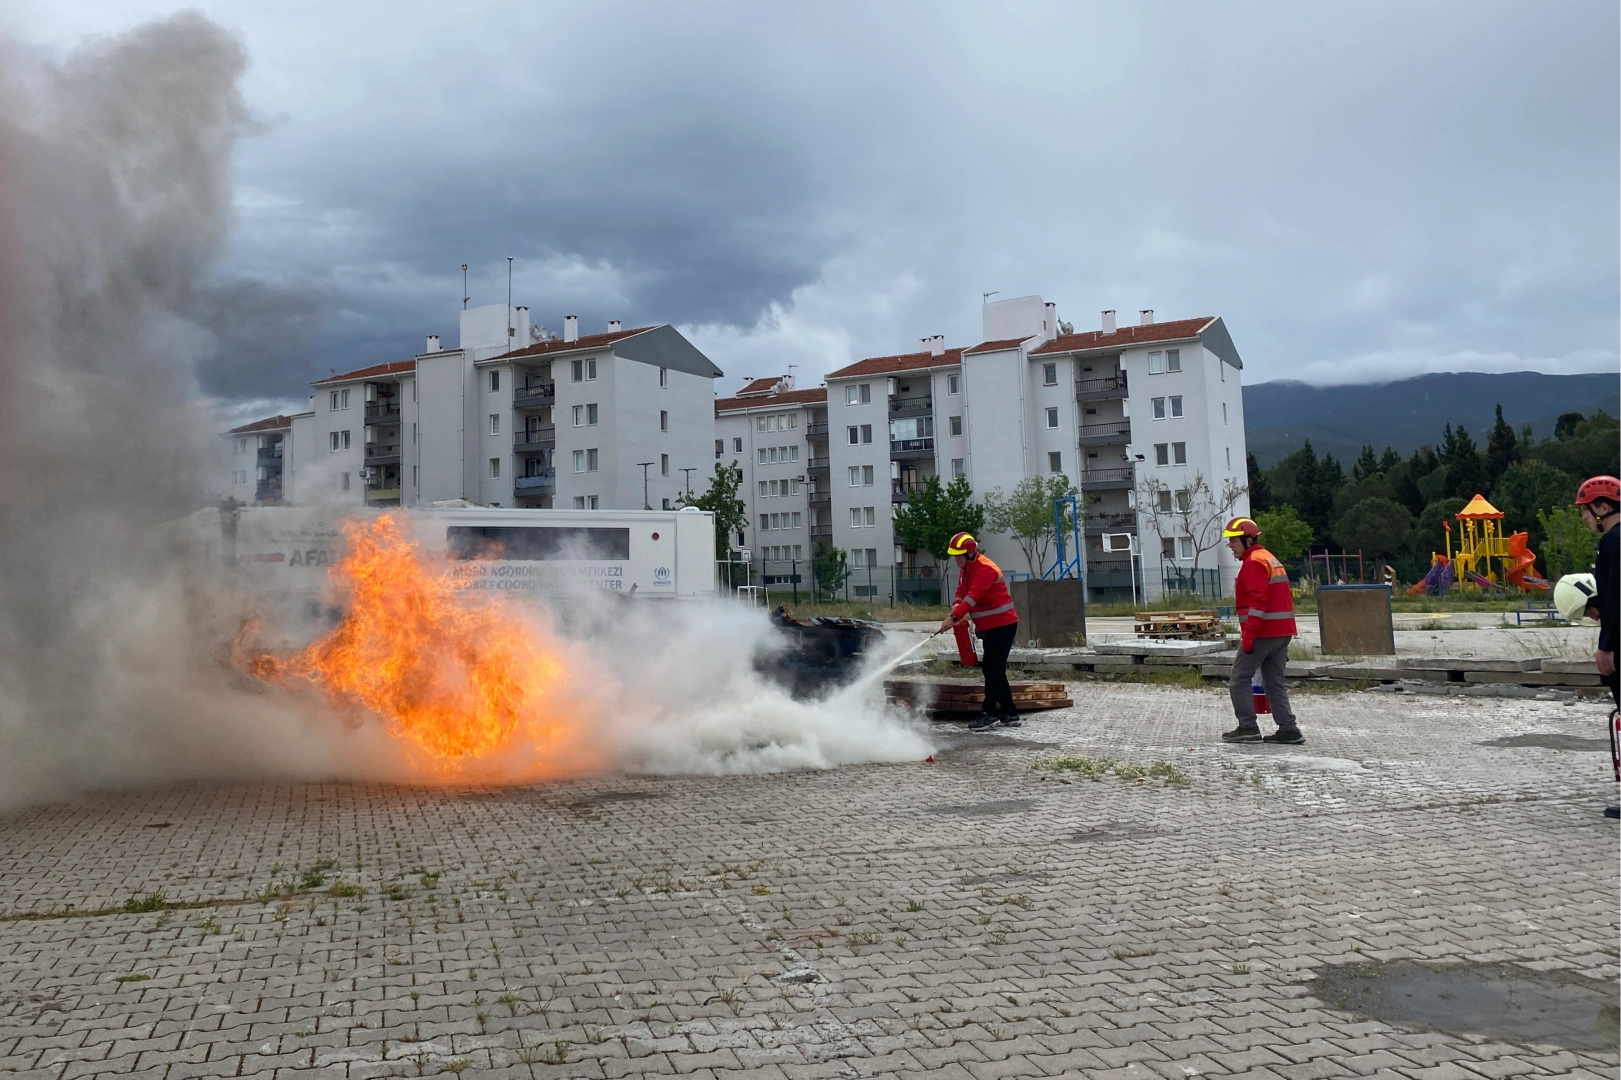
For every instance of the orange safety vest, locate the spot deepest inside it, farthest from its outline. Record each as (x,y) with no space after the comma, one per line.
(1262,601)
(983,596)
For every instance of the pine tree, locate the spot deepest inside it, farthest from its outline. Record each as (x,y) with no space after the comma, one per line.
(1466,474)
(1502,449)
(1366,464)
(1260,490)
(1388,460)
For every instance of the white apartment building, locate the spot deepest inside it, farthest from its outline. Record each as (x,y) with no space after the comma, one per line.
(777,437)
(490,423)
(1105,408)
(259,455)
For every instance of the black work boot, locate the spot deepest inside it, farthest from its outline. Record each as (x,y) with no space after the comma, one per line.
(1287,736)
(982,721)
(1242,734)
(1011,721)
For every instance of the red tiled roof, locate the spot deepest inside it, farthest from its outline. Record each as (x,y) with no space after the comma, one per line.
(269,424)
(397,367)
(998,346)
(886,365)
(1179,330)
(760,386)
(586,341)
(784,397)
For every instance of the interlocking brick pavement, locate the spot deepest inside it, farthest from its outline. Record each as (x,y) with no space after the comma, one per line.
(971,918)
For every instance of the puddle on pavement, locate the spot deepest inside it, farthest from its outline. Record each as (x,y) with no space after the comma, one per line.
(1498,1001)
(993,808)
(1549,740)
(1115,830)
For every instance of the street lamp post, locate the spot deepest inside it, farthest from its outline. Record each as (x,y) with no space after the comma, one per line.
(645,466)
(687,472)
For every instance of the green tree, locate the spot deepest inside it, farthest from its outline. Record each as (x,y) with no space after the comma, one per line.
(1430,534)
(1260,488)
(1588,447)
(831,568)
(1570,547)
(1283,533)
(1027,515)
(1193,512)
(1526,488)
(1366,464)
(721,499)
(1466,475)
(1378,527)
(934,514)
(1502,449)
(1388,460)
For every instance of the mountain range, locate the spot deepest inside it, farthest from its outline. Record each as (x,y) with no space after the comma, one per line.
(1408,413)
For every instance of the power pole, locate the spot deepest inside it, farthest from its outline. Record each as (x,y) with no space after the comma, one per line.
(645,466)
(687,472)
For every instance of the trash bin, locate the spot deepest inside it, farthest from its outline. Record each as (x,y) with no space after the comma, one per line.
(1354,620)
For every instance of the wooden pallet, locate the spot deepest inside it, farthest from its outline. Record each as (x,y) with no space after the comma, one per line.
(963,696)
(1191,625)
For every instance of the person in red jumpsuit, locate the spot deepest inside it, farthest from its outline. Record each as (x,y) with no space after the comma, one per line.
(1265,609)
(984,601)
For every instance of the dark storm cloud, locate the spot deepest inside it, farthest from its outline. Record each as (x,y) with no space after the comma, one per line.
(255,334)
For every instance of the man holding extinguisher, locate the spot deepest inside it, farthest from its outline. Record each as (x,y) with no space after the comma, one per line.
(1265,610)
(983,600)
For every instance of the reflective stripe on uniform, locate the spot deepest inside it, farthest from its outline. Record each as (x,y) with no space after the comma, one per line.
(990,612)
(1270,615)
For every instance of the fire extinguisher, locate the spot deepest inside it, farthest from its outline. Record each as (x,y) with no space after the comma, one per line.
(965,645)
(1258,695)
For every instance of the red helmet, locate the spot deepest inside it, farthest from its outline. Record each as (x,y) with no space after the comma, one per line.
(1241,526)
(1599,487)
(963,544)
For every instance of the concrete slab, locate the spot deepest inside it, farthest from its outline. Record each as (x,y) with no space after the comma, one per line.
(1571,667)
(1533,678)
(1383,674)
(1145,647)
(1474,663)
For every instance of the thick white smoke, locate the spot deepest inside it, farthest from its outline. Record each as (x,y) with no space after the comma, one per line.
(115,205)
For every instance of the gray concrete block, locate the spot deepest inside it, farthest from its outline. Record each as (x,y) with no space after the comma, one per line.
(1472,663)
(1533,678)
(1145,647)
(1571,667)
(1383,673)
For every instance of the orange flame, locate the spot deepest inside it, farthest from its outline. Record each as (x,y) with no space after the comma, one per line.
(460,674)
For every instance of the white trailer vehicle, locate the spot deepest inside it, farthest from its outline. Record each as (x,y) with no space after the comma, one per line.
(283,554)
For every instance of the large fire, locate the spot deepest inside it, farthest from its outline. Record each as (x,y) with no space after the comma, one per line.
(462,675)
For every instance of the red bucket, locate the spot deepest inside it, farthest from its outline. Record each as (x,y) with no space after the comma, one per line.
(1258,694)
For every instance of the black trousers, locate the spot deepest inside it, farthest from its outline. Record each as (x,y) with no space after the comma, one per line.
(998,694)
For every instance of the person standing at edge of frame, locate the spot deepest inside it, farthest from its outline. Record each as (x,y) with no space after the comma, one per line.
(1266,621)
(1600,500)
(983,597)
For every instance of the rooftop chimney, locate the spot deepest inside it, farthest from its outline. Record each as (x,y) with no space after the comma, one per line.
(613,326)
(1049,322)
(936,345)
(1108,321)
(571,327)
(1145,317)
(433,344)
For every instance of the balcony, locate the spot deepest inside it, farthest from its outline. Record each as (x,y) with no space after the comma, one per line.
(816,431)
(270,454)
(544,480)
(1104,389)
(1102,523)
(821,532)
(532,394)
(1115,431)
(818,500)
(382,453)
(901,491)
(1108,479)
(268,490)
(382,412)
(914,406)
(818,465)
(534,440)
(383,496)
(911,448)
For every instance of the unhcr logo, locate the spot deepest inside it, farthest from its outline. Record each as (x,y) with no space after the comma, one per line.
(662,573)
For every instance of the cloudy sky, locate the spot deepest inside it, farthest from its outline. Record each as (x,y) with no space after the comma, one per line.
(1363,190)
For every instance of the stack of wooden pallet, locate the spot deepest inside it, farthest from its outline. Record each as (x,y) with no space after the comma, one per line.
(951,697)
(1193,625)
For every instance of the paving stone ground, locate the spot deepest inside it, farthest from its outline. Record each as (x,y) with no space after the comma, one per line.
(970,918)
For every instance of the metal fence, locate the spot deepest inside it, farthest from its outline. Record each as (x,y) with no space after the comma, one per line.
(794,581)
(1204,584)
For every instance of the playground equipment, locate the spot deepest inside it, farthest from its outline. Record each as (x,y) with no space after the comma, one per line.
(1484,557)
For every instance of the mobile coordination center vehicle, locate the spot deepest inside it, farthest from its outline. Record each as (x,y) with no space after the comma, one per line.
(287,552)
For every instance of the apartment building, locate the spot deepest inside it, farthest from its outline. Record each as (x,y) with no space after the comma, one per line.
(260,456)
(590,422)
(1035,397)
(777,436)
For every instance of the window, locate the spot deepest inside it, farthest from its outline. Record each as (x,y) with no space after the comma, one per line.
(798,516)
(799,551)
(495,382)
(858,558)
(1049,374)
(1159,408)
(779,521)
(765,522)
(591,373)
(851,395)
(1179,453)
(1222,367)
(1162,453)
(1173,360)
(953,384)
(855,517)
(495,423)
(664,464)
(762,489)
(956,425)
(737,445)
(793,421)
(334,438)
(855,435)
(579,502)
(590,414)
(1167,547)
(1052,418)
(1156,363)
(667,505)
(720,447)
(1184,501)
(866,393)
(579,416)
(590,502)
(1229,457)
(771,454)
(797,485)
(1176,406)
(793,453)
(579,462)
(869,516)
(762,455)
(591,460)
(772,487)
(866,433)
(855,476)
(495,468)
(576,370)
(760,423)
(344,481)
(664,381)
(332,402)
(664,420)
(413,434)
(413,390)
(345,440)
(957,469)
(1055,461)
(413,477)
(1186,544)
(1164,500)
(740,538)
(345,399)
(1224,412)
(866,476)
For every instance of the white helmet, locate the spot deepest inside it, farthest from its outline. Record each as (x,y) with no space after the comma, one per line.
(1572,593)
